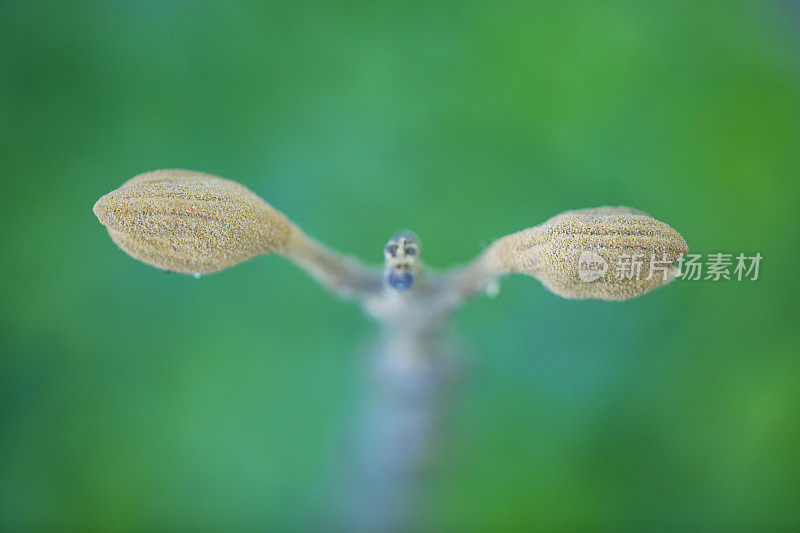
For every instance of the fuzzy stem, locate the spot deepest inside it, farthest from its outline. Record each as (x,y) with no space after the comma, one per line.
(462,284)
(410,387)
(413,370)
(345,276)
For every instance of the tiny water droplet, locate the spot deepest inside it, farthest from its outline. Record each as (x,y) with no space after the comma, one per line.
(493,289)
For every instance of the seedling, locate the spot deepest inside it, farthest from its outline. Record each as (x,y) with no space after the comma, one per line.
(195,223)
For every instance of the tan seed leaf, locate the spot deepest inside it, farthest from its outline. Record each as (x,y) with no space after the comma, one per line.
(593,253)
(191,222)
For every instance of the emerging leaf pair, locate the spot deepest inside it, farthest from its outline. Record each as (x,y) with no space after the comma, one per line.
(196,223)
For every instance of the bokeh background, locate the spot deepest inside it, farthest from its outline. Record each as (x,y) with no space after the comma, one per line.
(132,399)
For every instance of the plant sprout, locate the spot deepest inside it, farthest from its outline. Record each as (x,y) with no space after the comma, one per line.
(195,223)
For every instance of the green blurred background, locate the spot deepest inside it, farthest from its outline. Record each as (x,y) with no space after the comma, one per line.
(132,399)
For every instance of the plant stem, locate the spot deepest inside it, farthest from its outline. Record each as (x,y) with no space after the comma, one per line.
(400,427)
(413,369)
(345,276)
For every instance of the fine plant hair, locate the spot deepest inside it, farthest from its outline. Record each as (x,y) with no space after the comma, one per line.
(195,223)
